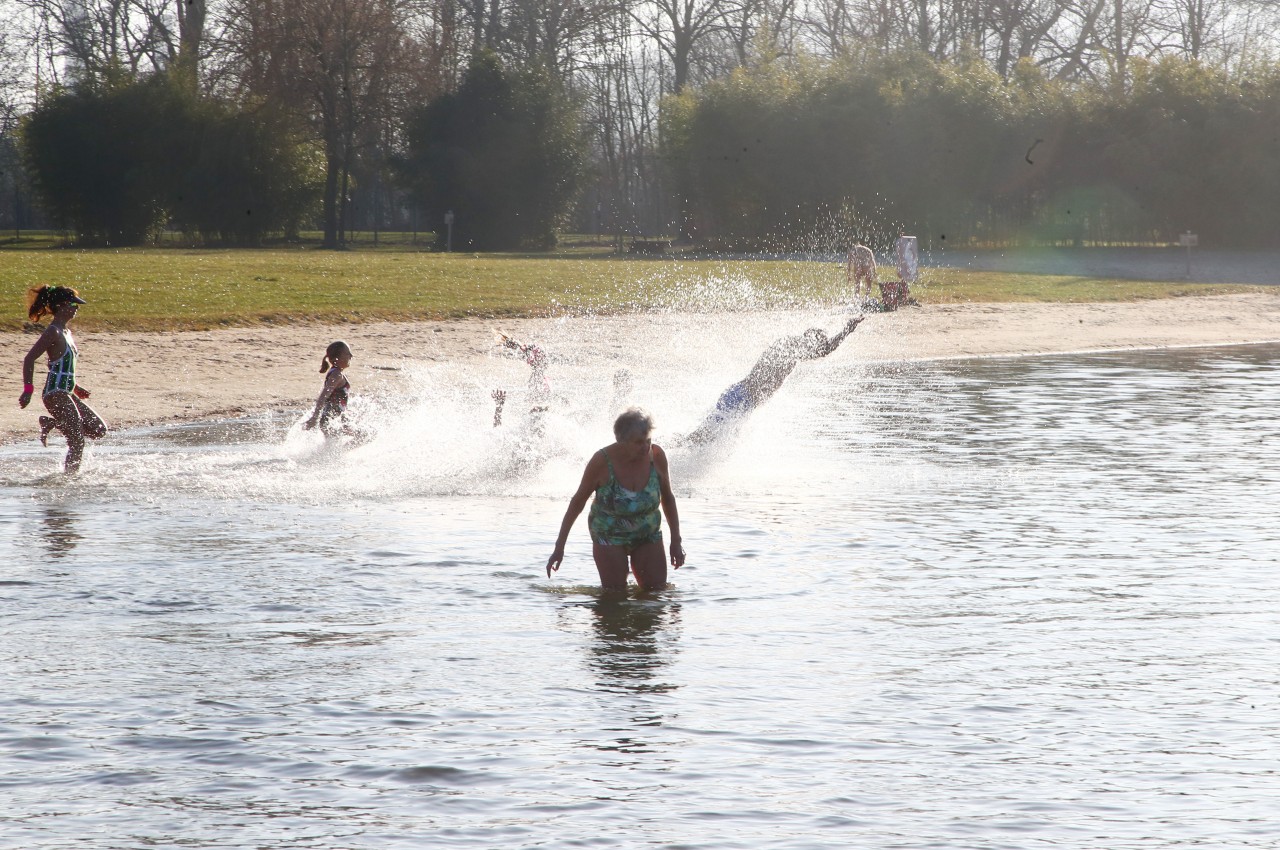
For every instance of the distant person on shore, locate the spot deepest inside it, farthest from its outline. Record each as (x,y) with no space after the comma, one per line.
(330,412)
(766,377)
(897,293)
(860,272)
(632,490)
(62,396)
(907,253)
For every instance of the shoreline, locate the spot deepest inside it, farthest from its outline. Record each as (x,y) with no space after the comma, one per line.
(140,379)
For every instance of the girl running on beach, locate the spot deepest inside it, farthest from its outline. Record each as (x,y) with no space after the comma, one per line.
(331,405)
(62,396)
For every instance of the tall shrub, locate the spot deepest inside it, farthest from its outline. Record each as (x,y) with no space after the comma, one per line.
(506,153)
(115,160)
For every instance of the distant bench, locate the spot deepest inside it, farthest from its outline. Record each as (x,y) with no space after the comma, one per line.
(648,246)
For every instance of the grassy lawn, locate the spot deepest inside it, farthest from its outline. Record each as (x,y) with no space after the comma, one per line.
(174,288)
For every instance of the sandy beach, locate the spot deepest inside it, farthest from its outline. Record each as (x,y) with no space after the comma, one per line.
(140,379)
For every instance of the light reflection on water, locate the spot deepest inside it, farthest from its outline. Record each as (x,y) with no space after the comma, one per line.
(1004,603)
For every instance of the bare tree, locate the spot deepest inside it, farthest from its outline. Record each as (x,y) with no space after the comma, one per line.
(1196,29)
(94,37)
(338,64)
(440,30)
(832,28)
(624,88)
(1017,29)
(14,80)
(680,28)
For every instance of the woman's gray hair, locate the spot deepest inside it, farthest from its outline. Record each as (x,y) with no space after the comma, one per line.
(632,422)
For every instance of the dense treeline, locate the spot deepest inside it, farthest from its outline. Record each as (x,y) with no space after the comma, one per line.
(118,160)
(769,123)
(783,156)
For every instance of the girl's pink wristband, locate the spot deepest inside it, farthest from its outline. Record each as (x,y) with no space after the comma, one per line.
(28,388)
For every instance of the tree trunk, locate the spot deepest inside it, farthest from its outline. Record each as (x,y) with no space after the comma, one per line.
(332,169)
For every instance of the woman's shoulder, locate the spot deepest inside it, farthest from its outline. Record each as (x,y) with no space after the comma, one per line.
(600,459)
(597,469)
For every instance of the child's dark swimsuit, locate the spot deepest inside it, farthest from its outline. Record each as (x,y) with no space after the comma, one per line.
(622,517)
(335,407)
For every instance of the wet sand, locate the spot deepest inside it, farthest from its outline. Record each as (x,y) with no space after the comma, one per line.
(141,379)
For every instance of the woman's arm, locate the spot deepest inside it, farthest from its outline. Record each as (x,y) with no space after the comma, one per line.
(669,506)
(593,477)
(29,364)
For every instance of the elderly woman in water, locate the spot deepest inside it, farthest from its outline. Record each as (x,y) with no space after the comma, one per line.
(630,481)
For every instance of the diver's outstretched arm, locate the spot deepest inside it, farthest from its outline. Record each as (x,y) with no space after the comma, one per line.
(834,342)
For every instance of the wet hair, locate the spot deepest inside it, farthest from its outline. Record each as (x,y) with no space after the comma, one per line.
(632,422)
(45,300)
(331,354)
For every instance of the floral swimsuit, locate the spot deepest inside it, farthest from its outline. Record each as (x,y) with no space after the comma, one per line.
(622,517)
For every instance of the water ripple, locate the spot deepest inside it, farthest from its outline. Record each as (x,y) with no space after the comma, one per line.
(1022,603)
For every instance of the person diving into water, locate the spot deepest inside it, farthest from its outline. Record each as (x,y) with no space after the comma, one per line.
(539,390)
(766,377)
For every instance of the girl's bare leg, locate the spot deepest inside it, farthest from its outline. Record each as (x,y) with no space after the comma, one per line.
(90,422)
(67,416)
(611,563)
(649,563)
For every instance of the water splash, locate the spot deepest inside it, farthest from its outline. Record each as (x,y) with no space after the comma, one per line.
(430,426)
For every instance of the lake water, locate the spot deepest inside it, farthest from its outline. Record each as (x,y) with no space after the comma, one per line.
(1005,603)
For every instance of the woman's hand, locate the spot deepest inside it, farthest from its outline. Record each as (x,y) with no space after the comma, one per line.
(24,399)
(677,554)
(80,392)
(553,563)
(309,424)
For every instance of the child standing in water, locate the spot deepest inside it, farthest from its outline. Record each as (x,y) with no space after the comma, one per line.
(331,405)
(62,396)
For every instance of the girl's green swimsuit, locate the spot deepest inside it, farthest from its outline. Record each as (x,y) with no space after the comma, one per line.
(62,372)
(622,517)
